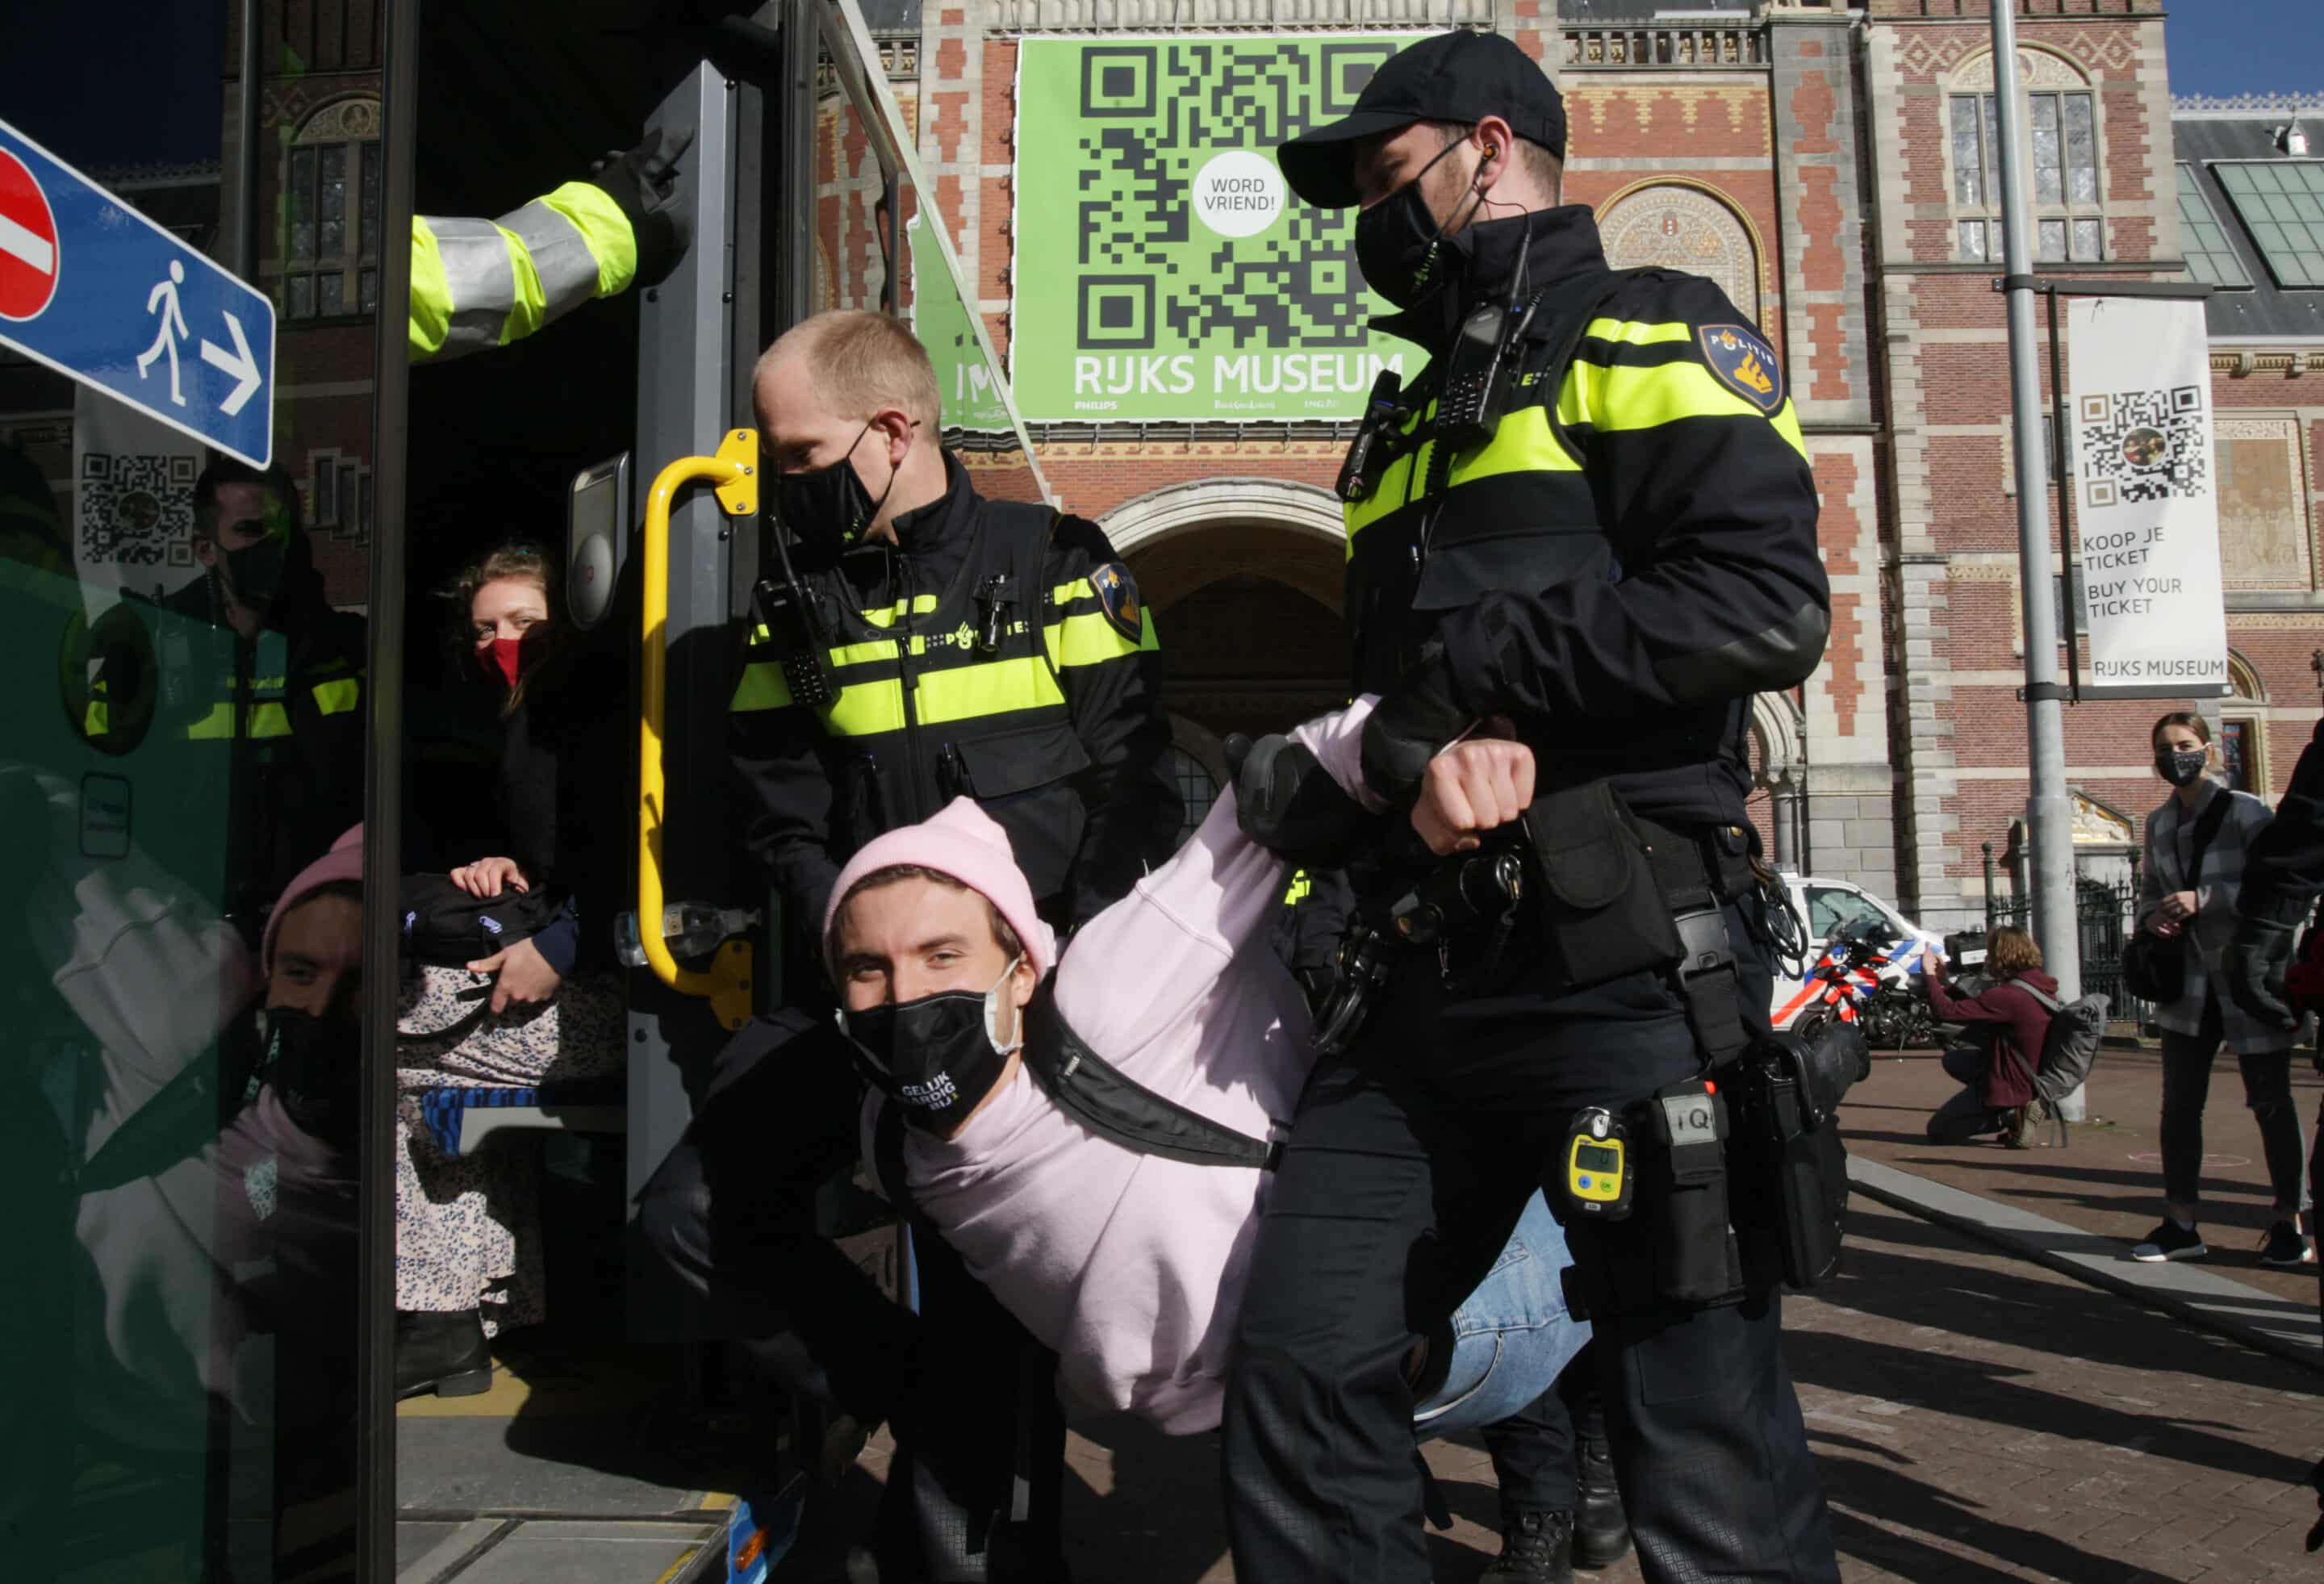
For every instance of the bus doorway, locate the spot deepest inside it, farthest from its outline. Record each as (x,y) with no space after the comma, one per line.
(578,594)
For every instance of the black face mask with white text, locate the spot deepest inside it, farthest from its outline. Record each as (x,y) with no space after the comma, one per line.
(938,1057)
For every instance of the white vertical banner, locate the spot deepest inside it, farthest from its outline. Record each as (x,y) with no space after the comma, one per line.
(2153,606)
(133,521)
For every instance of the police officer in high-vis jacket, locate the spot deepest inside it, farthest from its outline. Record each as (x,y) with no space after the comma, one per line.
(915,643)
(1588,525)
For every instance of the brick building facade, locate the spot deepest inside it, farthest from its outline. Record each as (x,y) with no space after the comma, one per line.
(1822,161)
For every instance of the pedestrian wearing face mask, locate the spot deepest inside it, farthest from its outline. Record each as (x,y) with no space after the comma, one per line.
(2196,844)
(991,649)
(1590,521)
(250,662)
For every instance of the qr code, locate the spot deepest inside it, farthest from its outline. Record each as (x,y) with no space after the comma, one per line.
(136,509)
(2144,446)
(1154,115)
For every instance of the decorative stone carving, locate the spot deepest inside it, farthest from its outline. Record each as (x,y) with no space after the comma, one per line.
(341,121)
(2097,825)
(2038,69)
(2264,540)
(1674,228)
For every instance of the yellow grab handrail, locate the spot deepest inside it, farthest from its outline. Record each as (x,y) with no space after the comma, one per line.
(733,471)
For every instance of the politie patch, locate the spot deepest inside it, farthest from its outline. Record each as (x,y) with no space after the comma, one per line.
(1119,594)
(1744,364)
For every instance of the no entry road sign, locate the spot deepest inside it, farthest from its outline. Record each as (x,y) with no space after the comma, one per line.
(96,290)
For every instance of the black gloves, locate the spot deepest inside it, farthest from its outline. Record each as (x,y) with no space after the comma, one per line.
(1409,726)
(641,183)
(2255,964)
(1288,802)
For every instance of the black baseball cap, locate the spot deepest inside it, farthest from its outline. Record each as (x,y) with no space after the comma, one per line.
(1454,77)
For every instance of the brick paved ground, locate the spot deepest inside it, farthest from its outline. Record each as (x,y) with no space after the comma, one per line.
(2109,1178)
(1976,1418)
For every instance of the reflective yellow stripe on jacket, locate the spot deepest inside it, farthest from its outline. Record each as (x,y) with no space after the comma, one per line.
(950,692)
(477,284)
(1595,395)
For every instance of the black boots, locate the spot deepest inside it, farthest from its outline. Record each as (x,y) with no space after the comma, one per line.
(1536,1548)
(445,1354)
(1601,1533)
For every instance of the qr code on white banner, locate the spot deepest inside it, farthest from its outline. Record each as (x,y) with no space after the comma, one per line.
(136,511)
(2144,446)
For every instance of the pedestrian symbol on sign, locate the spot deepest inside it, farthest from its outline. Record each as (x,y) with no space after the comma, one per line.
(163,299)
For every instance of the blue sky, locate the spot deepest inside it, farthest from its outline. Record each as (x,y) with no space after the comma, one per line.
(2246,46)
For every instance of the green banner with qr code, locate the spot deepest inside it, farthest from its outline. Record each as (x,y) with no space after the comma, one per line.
(1164,272)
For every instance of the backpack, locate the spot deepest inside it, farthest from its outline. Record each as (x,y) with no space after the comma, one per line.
(2071,1048)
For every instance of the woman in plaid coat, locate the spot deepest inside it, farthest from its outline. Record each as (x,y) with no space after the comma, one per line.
(2190,896)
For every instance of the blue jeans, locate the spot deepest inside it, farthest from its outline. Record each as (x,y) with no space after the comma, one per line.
(1511,1337)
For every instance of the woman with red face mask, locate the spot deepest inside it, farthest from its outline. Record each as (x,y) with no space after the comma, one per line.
(537,998)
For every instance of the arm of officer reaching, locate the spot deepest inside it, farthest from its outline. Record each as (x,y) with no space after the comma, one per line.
(1108,665)
(1698,465)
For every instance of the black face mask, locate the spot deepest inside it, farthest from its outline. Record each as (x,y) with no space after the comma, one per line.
(2181,768)
(316,1064)
(938,1058)
(829,503)
(1404,253)
(254,572)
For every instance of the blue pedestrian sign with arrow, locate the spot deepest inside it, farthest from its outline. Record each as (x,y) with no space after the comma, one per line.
(96,290)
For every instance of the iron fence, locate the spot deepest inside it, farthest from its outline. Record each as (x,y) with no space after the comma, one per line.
(2105,916)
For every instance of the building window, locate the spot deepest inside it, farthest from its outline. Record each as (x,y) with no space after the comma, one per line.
(328,258)
(2210,256)
(2281,203)
(339,496)
(2238,757)
(1196,790)
(2064,170)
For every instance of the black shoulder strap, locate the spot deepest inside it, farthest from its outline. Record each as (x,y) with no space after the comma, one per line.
(888,1159)
(2205,828)
(1094,1093)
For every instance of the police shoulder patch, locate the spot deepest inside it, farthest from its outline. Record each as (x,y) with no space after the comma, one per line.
(1741,360)
(1117,594)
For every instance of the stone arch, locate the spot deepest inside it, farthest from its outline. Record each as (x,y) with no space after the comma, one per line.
(1778,724)
(1682,225)
(350,118)
(2244,679)
(1296,527)
(2039,68)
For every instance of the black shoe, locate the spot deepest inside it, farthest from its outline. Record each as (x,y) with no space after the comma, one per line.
(1601,1529)
(2285,1248)
(2170,1240)
(445,1354)
(1536,1548)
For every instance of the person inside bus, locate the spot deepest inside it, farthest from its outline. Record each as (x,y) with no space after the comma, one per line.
(2008,1028)
(279,692)
(907,588)
(1131,1265)
(529,991)
(223,1256)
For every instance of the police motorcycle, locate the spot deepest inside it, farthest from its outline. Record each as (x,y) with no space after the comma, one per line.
(1751,1147)
(1860,980)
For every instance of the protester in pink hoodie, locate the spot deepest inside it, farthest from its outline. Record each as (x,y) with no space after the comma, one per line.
(1130,1266)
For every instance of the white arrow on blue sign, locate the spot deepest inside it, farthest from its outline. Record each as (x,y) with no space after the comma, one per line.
(96,290)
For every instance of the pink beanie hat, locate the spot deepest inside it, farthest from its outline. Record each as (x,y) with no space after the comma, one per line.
(343,861)
(963,842)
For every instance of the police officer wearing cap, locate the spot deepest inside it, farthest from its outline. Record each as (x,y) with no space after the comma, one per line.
(1588,526)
